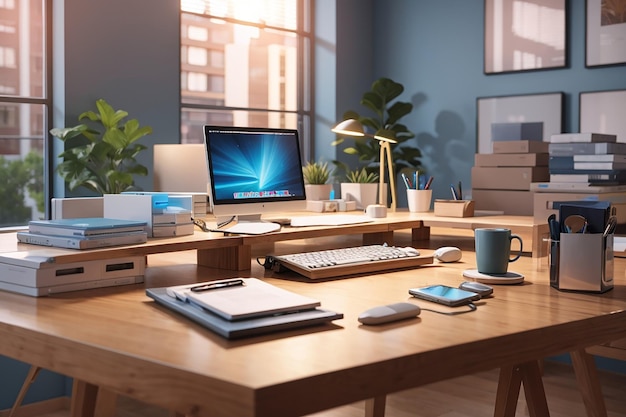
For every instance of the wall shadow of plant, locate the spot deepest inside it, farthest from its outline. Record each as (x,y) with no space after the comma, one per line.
(446,154)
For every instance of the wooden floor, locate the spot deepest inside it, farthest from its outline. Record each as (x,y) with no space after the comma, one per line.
(470,396)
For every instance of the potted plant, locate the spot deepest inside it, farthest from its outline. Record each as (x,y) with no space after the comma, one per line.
(386,117)
(106,162)
(360,186)
(316,175)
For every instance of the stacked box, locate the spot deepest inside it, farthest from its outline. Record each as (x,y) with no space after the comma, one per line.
(501,181)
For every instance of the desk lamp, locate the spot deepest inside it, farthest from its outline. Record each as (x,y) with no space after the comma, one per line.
(352,127)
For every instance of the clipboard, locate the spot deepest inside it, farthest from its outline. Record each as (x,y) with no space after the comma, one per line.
(252,298)
(243,328)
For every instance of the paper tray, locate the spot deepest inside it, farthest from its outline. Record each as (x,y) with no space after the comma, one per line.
(243,328)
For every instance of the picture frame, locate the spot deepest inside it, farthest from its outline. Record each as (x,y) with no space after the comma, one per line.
(524,36)
(545,108)
(605,33)
(603,112)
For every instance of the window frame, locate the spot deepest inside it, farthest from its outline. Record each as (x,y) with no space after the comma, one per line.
(305,82)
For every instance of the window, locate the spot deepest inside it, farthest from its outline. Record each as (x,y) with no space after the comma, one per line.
(244,63)
(24,109)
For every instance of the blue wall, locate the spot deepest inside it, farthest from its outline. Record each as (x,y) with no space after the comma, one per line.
(435,48)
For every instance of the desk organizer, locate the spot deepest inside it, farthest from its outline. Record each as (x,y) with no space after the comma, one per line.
(454,208)
(582,262)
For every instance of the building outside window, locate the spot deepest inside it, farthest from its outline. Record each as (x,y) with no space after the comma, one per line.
(245,63)
(24,108)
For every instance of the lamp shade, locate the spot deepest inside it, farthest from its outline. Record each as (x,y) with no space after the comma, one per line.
(386,135)
(349,127)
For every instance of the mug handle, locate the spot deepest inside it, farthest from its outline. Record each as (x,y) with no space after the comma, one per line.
(520,247)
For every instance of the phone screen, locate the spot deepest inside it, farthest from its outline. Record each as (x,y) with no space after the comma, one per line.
(444,294)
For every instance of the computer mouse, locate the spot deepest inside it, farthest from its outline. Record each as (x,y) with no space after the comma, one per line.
(448,254)
(389,313)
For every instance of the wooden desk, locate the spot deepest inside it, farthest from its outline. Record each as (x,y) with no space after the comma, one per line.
(117,338)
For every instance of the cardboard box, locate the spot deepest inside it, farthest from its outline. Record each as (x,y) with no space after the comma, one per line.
(507,178)
(543,203)
(511,159)
(515,203)
(516,131)
(520,146)
(454,208)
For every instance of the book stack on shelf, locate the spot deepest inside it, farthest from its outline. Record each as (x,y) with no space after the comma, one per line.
(173,221)
(84,233)
(501,180)
(583,166)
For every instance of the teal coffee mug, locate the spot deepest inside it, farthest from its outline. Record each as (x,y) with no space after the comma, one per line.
(493,250)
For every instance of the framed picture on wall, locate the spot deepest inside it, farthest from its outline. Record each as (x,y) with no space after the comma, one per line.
(603,112)
(606,33)
(542,113)
(524,36)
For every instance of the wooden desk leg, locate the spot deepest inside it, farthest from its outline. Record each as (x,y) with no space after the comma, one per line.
(83,401)
(420,233)
(89,400)
(511,379)
(509,383)
(30,378)
(378,238)
(235,258)
(106,403)
(588,383)
(375,407)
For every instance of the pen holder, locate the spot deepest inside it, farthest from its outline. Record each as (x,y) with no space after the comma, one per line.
(582,262)
(454,208)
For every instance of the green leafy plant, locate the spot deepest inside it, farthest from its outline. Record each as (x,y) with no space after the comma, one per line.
(316,172)
(361,176)
(386,117)
(106,162)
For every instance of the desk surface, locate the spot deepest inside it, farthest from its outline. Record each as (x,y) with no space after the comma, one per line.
(119,339)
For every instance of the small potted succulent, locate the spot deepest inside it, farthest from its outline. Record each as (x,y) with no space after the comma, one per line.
(361,186)
(316,175)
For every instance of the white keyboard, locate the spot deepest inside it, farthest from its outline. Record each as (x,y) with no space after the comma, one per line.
(348,261)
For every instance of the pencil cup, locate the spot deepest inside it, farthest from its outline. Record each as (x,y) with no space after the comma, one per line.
(419,200)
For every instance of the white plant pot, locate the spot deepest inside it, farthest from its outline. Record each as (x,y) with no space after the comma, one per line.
(363,194)
(317,192)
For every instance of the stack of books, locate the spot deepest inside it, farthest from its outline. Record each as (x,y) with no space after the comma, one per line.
(241,307)
(583,166)
(172,222)
(501,180)
(84,233)
(583,159)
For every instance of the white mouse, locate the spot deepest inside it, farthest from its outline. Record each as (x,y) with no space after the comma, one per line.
(448,254)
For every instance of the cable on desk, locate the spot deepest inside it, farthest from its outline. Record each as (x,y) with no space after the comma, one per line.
(472,307)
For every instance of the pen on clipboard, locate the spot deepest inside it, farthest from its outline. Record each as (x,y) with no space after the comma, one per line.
(217,285)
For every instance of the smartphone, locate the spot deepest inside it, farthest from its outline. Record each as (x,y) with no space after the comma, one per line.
(445,295)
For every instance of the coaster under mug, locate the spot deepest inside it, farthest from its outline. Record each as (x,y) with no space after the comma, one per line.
(508,278)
